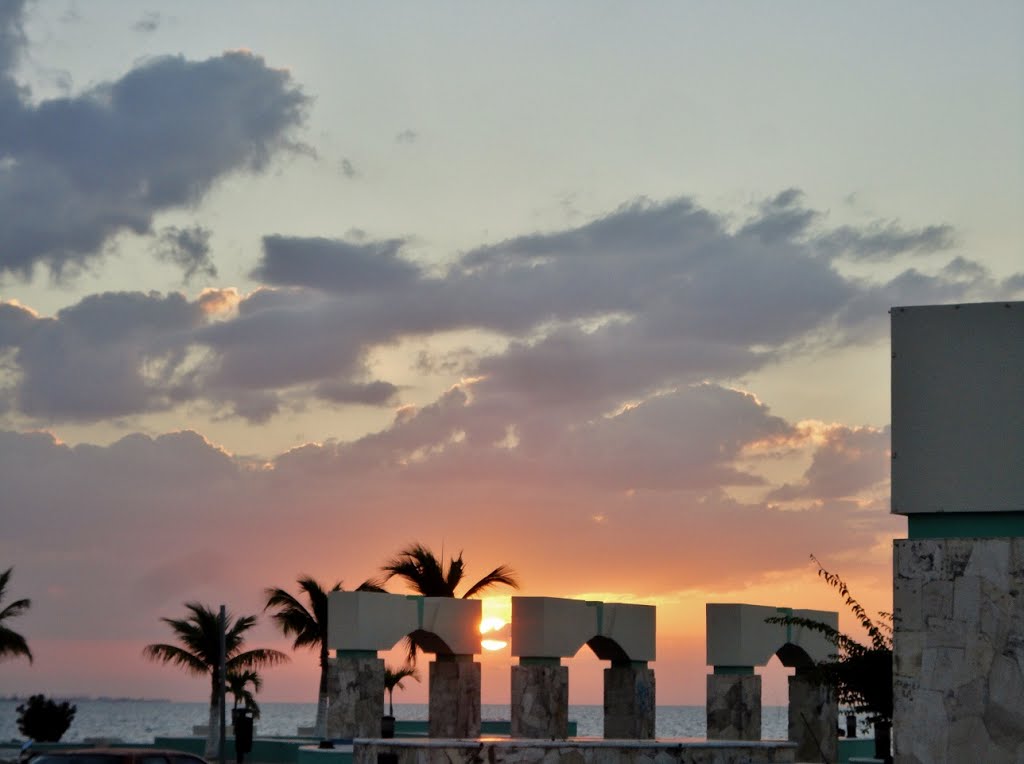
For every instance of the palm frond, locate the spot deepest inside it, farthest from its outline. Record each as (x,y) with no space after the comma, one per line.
(15,609)
(502,575)
(177,656)
(12,644)
(257,658)
(420,569)
(372,585)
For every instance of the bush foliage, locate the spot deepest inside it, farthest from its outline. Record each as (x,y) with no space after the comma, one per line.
(45,720)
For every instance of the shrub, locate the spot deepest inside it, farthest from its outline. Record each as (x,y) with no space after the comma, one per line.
(45,720)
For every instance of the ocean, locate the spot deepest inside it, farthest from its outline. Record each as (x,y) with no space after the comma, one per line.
(139,721)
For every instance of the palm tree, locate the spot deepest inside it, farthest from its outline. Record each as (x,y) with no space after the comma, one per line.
(309,627)
(238,685)
(199,652)
(393,678)
(425,574)
(12,644)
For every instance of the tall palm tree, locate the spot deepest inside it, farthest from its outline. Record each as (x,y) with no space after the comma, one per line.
(199,651)
(238,685)
(425,574)
(309,627)
(12,644)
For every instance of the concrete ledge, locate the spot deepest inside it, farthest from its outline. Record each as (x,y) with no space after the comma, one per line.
(314,754)
(579,751)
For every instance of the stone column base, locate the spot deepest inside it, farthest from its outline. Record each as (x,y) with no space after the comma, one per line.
(629,702)
(734,707)
(813,720)
(540,700)
(356,696)
(454,709)
(958,648)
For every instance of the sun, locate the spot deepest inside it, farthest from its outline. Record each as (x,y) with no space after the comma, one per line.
(494,625)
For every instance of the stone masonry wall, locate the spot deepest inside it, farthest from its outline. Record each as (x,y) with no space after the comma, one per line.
(454,708)
(958,607)
(356,697)
(540,701)
(734,707)
(813,719)
(629,702)
(411,751)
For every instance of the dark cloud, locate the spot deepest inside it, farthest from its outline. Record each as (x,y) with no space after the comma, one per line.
(12,34)
(109,355)
(334,265)
(377,393)
(81,169)
(884,241)
(649,298)
(187,248)
(782,218)
(1013,284)
(407,136)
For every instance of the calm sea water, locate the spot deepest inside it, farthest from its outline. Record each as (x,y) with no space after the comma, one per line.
(139,721)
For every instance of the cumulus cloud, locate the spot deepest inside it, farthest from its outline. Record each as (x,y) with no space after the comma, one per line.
(653,296)
(109,355)
(82,168)
(850,460)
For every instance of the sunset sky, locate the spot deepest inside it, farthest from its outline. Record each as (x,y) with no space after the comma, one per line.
(595,289)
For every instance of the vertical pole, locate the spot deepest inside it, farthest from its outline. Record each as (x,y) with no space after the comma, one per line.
(222,676)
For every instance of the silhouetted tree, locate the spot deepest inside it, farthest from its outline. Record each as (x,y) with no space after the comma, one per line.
(12,644)
(45,720)
(308,625)
(198,654)
(861,673)
(425,574)
(393,678)
(238,685)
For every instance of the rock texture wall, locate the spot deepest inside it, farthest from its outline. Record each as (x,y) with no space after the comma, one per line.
(629,705)
(540,701)
(959,651)
(813,720)
(571,752)
(356,697)
(454,708)
(734,707)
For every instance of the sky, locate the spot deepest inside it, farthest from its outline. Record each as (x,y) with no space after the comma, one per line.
(599,290)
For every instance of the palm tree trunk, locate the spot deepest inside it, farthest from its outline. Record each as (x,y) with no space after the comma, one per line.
(213,727)
(320,727)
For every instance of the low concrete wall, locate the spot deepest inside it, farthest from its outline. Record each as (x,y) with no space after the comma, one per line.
(520,751)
